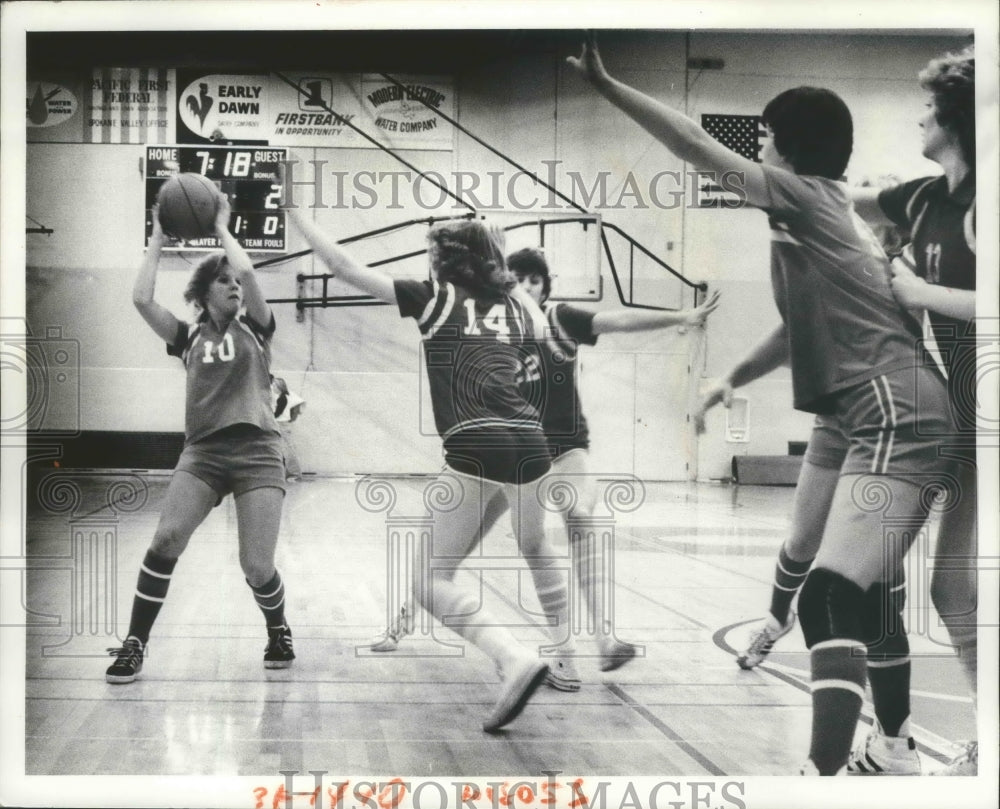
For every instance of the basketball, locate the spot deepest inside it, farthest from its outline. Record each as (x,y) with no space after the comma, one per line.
(188,206)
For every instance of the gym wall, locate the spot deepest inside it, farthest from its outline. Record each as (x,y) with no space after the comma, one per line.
(359,367)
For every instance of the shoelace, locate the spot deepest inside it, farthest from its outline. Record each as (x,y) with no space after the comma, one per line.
(760,641)
(128,652)
(282,641)
(400,626)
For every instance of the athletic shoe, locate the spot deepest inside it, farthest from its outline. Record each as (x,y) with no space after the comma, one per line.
(965,763)
(128,663)
(388,640)
(810,769)
(562,675)
(278,654)
(762,641)
(617,656)
(879,754)
(518,687)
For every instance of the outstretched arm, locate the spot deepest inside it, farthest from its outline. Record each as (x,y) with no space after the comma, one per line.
(865,199)
(337,260)
(672,128)
(160,319)
(241,265)
(341,263)
(768,354)
(646,320)
(914,292)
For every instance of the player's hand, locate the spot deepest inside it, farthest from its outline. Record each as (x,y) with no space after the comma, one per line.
(909,288)
(696,317)
(157,227)
(588,64)
(720,391)
(222,215)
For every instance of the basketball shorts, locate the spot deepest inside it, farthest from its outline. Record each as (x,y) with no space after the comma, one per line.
(894,424)
(236,460)
(507,456)
(827,445)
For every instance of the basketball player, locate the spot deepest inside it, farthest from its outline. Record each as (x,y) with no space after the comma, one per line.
(851,349)
(939,214)
(493,439)
(554,380)
(231,444)
(937,274)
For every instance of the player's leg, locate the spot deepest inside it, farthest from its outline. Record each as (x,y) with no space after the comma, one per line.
(899,438)
(461,501)
(550,573)
(402,624)
(258,515)
(954,592)
(589,555)
(814,489)
(188,501)
(872,519)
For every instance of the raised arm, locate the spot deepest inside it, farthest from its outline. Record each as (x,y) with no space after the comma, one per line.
(769,354)
(338,261)
(624,320)
(160,319)
(672,128)
(253,298)
(865,199)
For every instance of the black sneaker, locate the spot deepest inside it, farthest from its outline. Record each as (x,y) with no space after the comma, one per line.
(278,654)
(129,663)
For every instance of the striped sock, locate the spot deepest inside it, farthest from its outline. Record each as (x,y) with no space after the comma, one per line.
(455,608)
(150,592)
(551,588)
(270,597)
(788,578)
(838,687)
(888,655)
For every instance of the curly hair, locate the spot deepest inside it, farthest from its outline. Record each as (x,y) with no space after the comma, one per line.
(208,269)
(951,81)
(531,261)
(813,130)
(468,254)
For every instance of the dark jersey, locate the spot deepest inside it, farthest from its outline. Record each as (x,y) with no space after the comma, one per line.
(474,352)
(943,251)
(552,377)
(228,375)
(830,279)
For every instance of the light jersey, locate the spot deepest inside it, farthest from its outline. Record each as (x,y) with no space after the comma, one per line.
(552,383)
(474,350)
(228,375)
(830,279)
(942,250)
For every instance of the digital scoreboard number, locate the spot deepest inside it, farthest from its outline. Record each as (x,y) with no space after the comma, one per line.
(243,173)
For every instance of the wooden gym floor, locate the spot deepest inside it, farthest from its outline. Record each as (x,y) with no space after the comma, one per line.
(693,568)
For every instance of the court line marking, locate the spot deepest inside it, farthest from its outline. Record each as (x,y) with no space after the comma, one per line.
(665,729)
(927,740)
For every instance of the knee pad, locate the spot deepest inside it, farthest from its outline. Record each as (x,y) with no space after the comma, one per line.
(830,606)
(882,623)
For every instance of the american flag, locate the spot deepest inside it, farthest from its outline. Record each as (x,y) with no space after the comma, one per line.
(737,132)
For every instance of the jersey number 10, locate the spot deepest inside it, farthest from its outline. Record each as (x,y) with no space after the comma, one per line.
(226,352)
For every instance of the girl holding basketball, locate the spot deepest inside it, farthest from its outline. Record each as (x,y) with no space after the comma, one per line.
(232,443)
(850,346)
(475,328)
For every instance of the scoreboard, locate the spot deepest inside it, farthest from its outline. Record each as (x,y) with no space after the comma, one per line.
(243,173)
